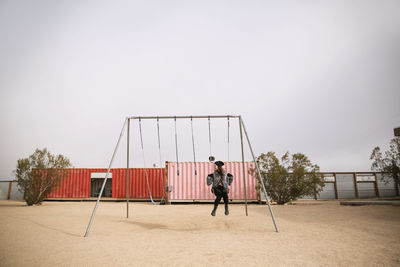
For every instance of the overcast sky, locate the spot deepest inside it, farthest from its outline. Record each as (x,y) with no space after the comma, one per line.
(317,77)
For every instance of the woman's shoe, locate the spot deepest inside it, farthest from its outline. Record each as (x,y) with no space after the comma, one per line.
(213,212)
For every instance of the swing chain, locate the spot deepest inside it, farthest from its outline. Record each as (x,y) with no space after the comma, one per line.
(229,125)
(159,153)
(194,153)
(209,133)
(176,147)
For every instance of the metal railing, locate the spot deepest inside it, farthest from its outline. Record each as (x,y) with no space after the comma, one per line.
(356,185)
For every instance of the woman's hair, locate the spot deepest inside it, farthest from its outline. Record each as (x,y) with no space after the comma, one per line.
(220,170)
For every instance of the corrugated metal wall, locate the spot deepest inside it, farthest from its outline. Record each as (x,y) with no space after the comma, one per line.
(76,184)
(188,186)
(4,187)
(137,183)
(328,192)
(366,190)
(387,187)
(345,185)
(15,194)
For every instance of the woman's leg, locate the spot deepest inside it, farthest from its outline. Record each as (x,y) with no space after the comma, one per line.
(217,200)
(218,193)
(226,201)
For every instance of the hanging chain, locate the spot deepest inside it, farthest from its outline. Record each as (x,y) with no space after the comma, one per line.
(209,133)
(176,148)
(159,153)
(194,151)
(229,125)
(159,142)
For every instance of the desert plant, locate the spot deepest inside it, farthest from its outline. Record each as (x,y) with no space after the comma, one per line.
(38,174)
(389,162)
(292,177)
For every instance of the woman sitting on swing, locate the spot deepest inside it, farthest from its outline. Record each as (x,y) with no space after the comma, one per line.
(220,180)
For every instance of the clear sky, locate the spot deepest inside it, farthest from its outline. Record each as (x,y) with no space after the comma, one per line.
(317,77)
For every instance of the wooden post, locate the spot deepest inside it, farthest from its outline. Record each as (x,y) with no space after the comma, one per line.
(355,184)
(9,190)
(376,186)
(335,185)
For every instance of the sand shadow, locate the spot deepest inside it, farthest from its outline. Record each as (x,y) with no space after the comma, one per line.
(155,226)
(17,203)
(46,226)
(13,205)
(149,226)
(193,227)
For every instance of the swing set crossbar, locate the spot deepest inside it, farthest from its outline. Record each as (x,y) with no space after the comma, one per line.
(183,117)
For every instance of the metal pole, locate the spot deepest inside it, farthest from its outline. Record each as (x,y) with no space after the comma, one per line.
(244,171)
(105,180)
(127,170)
(259,175)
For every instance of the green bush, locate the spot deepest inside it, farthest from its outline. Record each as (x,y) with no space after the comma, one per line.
(290,178)
(38,174)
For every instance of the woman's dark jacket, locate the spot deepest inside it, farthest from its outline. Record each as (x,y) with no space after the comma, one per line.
(216,177)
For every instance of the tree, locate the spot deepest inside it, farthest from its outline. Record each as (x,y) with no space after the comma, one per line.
(389,162)
(38,174)
(291,178)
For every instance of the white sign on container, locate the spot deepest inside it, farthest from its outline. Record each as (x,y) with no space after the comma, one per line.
(100,175)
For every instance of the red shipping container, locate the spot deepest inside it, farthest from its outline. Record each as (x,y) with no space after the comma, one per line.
(77,183)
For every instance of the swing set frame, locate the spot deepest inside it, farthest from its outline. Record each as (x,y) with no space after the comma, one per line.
(127,125)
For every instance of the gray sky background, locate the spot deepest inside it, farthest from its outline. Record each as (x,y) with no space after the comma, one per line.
(317,77)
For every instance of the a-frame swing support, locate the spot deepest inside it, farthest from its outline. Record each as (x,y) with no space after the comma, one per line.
(127,123)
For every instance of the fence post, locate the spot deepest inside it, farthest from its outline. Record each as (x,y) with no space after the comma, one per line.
(9,190)
(376,186)
(335,185)
(355,184)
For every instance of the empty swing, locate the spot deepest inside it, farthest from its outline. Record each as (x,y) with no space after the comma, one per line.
(144,160)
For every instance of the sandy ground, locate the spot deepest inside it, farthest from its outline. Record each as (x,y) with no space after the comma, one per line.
(314,233)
